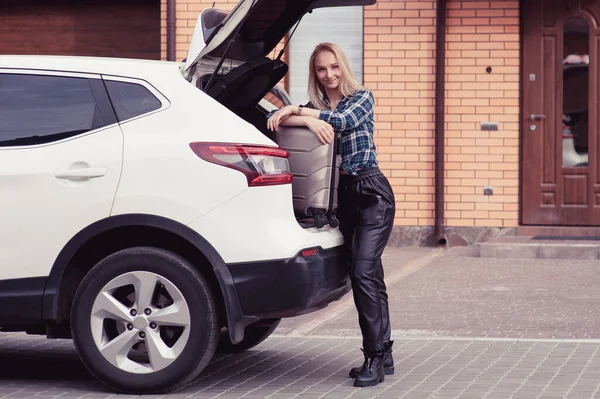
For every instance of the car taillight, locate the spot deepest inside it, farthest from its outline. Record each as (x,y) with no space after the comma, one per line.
(263,166)
(309,252)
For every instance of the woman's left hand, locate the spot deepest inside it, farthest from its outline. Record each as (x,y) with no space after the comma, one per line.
(280,116)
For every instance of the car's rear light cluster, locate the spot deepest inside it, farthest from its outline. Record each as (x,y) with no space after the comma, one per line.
(263,166)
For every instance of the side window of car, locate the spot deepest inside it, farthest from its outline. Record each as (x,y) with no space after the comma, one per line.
(37,109)
(131,99)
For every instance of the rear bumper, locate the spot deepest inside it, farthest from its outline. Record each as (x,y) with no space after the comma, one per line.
(290,287)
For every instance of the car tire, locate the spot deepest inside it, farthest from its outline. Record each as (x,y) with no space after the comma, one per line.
(179,334)
(255,334)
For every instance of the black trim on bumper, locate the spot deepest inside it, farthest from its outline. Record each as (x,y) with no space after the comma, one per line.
(21,300)
(290,287)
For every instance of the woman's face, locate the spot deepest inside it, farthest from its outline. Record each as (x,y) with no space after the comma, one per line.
(328,71)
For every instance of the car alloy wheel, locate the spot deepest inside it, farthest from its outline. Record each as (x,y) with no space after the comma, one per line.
(140,322)
(145,321)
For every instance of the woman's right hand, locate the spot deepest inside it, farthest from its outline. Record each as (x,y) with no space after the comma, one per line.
(323,130)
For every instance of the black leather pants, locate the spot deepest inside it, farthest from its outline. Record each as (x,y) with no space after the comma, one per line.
(366,210)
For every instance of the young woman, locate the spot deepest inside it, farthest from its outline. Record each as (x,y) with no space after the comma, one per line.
(366,203)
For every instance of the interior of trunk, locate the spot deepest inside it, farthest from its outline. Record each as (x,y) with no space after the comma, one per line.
(241,89)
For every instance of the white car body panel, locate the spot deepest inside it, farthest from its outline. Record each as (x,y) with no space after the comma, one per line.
(260,225)
(180,186)
(41,212)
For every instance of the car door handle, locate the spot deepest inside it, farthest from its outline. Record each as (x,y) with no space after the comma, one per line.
(88,173)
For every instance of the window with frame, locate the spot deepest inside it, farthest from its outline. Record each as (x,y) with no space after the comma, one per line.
(37,109)
(131,99)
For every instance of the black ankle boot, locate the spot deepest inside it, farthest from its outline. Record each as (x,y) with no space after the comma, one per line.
(388,362)
(372,374)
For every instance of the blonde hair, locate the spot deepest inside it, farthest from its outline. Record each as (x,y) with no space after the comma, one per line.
(348,83)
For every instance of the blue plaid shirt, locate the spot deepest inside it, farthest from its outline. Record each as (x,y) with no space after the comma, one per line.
(354,119)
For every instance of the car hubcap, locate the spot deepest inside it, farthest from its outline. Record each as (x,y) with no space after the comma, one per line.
(140,322)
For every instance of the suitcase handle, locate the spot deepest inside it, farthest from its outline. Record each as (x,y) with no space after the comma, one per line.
(334,176)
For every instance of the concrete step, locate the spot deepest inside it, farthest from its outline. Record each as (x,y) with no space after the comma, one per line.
(522,247)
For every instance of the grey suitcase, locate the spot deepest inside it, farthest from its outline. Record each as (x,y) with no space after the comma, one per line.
(315,168)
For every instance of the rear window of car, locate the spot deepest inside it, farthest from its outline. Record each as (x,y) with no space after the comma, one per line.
(36,109)
(131,99)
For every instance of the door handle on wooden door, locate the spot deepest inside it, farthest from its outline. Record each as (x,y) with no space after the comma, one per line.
(537,117)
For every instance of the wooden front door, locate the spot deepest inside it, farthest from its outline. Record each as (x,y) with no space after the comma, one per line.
(560,124)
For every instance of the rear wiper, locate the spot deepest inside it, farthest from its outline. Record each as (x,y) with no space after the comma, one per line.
(47,138)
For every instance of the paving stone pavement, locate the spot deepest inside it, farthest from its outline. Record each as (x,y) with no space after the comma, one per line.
(463,328)
(460,294)
(32,367)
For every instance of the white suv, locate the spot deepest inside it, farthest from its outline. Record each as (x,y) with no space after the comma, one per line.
(146,212)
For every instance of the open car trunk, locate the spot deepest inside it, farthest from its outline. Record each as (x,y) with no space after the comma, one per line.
(228,60)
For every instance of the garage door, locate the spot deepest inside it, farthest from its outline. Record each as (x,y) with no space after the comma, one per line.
(107,28)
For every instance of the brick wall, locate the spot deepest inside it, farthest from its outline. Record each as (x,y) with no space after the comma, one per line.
(163,29)
(400,69)
(482,34)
